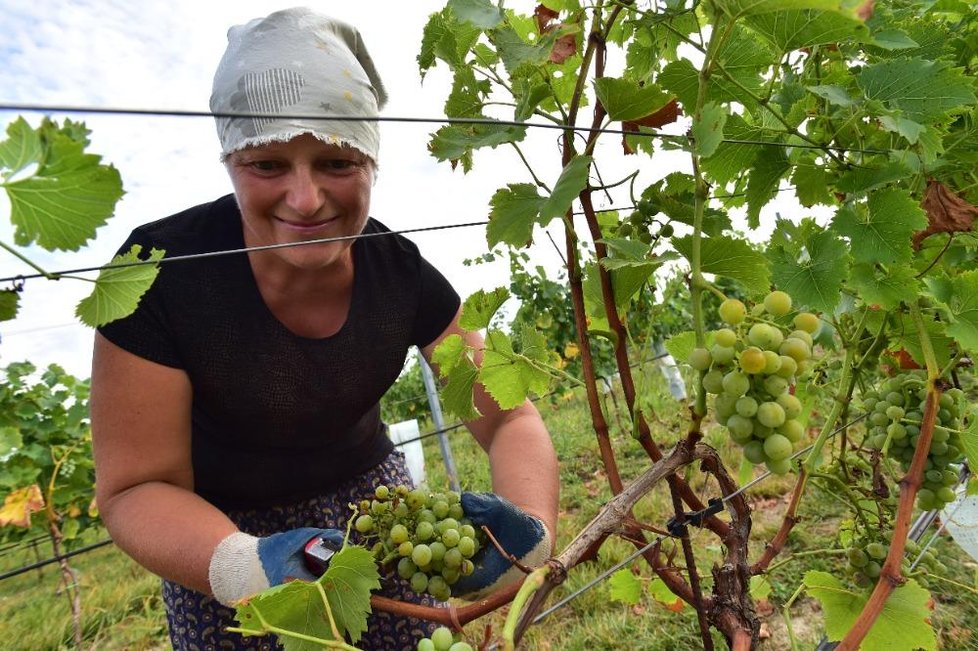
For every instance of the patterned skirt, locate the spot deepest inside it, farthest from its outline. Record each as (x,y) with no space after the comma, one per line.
(197,622)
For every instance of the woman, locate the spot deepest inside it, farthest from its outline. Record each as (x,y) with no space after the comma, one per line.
(235,413)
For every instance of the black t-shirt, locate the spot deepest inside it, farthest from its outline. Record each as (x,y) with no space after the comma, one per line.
(279,417)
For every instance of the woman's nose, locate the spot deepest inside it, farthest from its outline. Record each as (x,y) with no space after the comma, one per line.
(304,195)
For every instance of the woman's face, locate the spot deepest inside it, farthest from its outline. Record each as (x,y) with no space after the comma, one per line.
(303,189)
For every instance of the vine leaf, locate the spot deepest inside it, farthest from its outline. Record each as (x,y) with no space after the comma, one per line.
(625,100)
(481,13)
(518,207)
(730,257)
(886,289)
(453,359)
(681,344)
(118,291)
(770,164)
(813,274)
(480,307)
(446,38)
(959,297)
(298,606)
(902,624)
(457,142)
(798,28)
(923,90)
(625,587)
(659,591)
(9,304)
(880,230)
(946,212)
(740,8)
(707,129)
(18,506)
(509,377)
(907,337)
(61,202)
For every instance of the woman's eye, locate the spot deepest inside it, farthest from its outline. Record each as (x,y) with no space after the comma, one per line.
(338,164)
(265,165)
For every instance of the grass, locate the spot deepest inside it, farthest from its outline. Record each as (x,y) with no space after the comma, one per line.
(122,608)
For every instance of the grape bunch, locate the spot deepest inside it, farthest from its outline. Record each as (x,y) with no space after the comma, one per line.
(641,222)
(895,415)
(442,639)
(866,556)
(751,368)
(427,534)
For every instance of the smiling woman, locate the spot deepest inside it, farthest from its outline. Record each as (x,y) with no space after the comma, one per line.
(235,414)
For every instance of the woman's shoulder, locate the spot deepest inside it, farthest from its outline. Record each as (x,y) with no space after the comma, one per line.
(195,229)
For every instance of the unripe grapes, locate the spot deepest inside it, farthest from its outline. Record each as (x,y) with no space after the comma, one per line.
(765,336)
(807,321)
(777,303)
(777,447)
(770,414)
(732,311)
(725,337)
(700,359)
(752,360)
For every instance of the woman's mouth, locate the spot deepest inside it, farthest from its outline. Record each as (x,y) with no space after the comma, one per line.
(307,227)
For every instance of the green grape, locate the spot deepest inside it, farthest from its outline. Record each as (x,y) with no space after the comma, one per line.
(406,548)
(450,537)
(801,334)
(872,569)
(467,531)
(770,414)
(808,322)
(779,467)
(406,568)
(893,412)
(946,494)
(442,637)
(776,385)
(777,303)
(467,546)
(732,311)
(379,508)
(446,524)
(440,509)
(790,404)
(746,406)
(415,499)
(788,366)
(364,524)
(425,644)
(752,360)
(467,567)
(857,557)
(399,533)
(772,363)
(425,515)
(713,381)
(438,587)
(876,550)
(419,582)
(796,349)
(740,428)
(424,531)
(422,554)
(736,383)
(401,511)
(438,550)
(754,452)
(452,574)
(453,557)
(460,646)
(792,430)
(722,354)
(777,447)
(764,336)
(700,359)
(382,492)
(725,337)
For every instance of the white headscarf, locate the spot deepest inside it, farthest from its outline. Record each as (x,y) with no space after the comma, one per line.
(291,63)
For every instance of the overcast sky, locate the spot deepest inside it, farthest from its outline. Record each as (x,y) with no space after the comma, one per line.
(161,55)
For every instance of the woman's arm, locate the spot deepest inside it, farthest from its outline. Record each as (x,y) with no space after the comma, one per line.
(144,476)
(521,456)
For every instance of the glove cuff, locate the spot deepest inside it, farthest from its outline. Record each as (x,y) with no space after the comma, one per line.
(235,571)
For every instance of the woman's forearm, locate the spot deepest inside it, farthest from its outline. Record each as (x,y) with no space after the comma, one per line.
(168,530)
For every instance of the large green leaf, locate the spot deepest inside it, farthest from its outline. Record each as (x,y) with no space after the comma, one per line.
(118,291)
(962,310)
(707,129)
(67,197)
(880,230)
(510,378)
(624,99)
(886,289)
(814,274)
(480,307)
(446,38)
(798,28)
(903,624)
(515,51)
(481,13)
(681,344)
(9,304)
(573,179)
(457,393)
(741,8)
(513,215)
(907,337)
(455,141)
(298,606)
(770,165)
(923,90)
(730,257)
(731,159)
(625,587)
(22,148)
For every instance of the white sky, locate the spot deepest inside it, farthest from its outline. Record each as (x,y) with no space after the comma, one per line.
(161,55)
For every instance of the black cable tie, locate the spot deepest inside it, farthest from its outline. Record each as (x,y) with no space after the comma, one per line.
(677,524)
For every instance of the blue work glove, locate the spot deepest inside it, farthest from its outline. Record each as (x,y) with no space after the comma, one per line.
(244,565)
(519,533)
